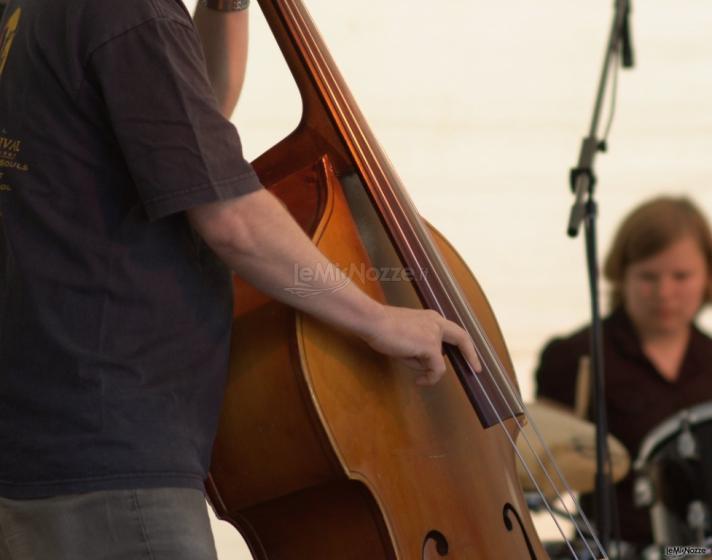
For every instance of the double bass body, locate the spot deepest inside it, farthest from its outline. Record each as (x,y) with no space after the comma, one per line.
(326,449)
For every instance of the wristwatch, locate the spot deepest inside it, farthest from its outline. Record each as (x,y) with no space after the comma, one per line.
(226,5)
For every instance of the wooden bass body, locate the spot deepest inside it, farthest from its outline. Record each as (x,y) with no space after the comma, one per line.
(327,450)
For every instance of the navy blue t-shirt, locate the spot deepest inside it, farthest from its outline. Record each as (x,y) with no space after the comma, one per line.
(115,321)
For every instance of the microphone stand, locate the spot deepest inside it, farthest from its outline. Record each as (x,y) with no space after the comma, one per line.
(582,181)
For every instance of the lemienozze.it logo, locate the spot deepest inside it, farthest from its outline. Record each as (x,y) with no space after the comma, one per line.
(686,551)
(328,278)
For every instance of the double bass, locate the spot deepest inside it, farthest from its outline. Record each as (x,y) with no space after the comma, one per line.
(326,449)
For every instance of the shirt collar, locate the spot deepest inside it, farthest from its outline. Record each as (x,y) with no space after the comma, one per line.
(627,341)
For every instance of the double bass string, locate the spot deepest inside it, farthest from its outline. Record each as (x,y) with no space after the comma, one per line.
(333,87)
(451,288)
(499,368)
(494,356)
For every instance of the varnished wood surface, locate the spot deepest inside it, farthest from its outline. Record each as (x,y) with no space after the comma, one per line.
(311,412)
(325,448)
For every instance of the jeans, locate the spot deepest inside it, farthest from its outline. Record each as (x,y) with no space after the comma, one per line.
(150,524)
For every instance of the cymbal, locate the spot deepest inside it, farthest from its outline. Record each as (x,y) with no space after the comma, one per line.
(572,442)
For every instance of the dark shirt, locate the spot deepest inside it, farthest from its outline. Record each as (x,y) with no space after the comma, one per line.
(115,333)
(637,396)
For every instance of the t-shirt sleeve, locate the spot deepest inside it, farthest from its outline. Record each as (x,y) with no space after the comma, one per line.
(180,150)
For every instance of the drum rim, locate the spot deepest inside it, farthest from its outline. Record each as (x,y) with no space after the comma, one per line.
(668,428)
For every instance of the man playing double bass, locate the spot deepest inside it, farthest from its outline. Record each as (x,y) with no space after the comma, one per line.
(125,199)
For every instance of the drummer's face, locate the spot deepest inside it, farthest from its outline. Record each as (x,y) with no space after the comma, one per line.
(663,293)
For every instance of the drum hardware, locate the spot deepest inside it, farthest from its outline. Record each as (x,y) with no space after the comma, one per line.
(643,492)
(698,519)
(674,480)
(686,444)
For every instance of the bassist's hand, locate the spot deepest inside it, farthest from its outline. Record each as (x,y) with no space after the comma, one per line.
(416,336)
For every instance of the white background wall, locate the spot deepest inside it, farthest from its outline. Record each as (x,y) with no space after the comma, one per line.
(482,107)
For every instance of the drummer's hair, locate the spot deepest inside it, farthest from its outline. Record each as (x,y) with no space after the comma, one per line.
(650,228)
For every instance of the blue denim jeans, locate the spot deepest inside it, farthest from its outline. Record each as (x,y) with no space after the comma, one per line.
(150,524)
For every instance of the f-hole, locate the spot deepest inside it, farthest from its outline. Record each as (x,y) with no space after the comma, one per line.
(434,542)
(509,508)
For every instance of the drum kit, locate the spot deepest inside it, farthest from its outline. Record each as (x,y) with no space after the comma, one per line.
(672,476)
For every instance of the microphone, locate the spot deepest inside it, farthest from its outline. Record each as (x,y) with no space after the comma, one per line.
(626,40)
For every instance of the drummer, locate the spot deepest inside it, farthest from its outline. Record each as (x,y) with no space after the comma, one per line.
(656,359)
